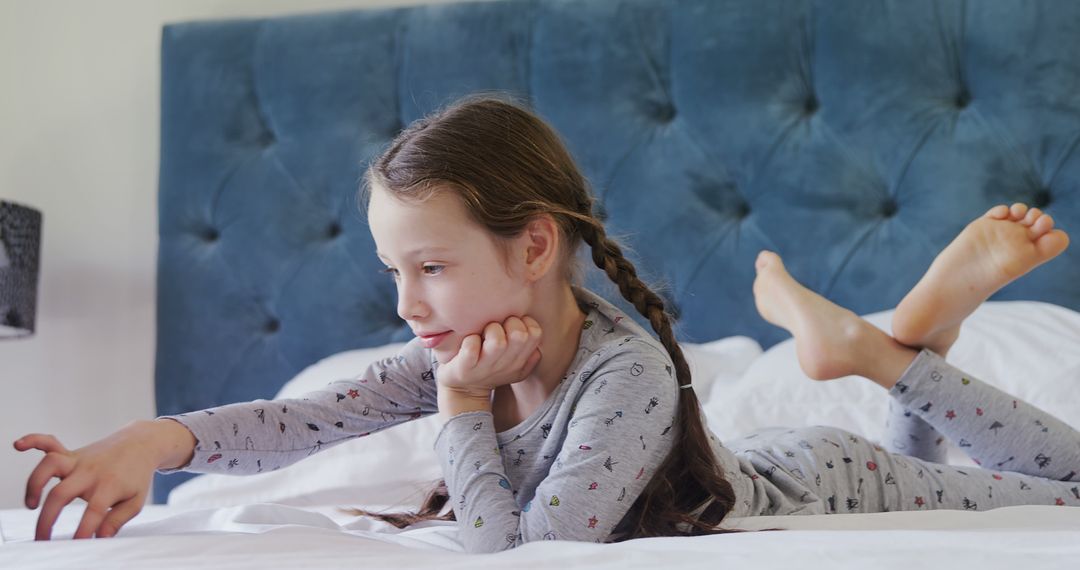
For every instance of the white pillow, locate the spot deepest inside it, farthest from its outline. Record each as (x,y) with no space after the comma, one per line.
(395,466)
(1026,348)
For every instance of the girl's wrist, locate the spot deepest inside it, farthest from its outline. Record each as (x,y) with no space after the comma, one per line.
(454,401)
(174,444)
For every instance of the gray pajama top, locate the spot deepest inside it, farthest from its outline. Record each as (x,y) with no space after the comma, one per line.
(570,471)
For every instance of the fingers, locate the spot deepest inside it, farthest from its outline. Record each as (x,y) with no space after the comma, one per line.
(533,326)
(119,516)
(517,337)
(523,352)
(56,463)
(93,516)
(1017,211)
(53,465)
(57,499)
(43,441)
(99,519)
(501,343)
(494,340)
(469,353)
(503,353)
(508,346)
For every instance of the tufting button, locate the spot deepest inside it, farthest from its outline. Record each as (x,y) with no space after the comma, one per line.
(811,105)
(963,99)
(1041,199)
(210,234)
(888,208)
(742,210)
(266,138)
(272,326)
(662,112)
(333,230)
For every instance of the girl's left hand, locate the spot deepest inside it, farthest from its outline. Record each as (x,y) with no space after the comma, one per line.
(506,354)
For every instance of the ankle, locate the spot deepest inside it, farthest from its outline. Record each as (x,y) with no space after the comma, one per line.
(943,341)
(887,362)
(844,353)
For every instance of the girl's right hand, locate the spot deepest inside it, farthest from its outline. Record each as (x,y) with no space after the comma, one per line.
(504,353)
(112,475)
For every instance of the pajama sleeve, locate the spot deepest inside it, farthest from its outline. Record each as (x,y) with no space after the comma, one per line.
(265,435)
(620,430)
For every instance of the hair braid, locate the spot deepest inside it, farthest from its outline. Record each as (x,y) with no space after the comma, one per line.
(693,480)
(607,255)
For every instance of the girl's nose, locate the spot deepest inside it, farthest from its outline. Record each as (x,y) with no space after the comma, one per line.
(410,307)
(411,313)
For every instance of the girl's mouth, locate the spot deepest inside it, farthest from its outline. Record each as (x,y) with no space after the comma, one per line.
(434,340)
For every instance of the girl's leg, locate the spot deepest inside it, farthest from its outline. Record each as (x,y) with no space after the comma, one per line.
(991,426)
(827,470)
(832,342)
(997,430)
(908,434)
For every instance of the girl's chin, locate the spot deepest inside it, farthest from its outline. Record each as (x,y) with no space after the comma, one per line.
(443,354)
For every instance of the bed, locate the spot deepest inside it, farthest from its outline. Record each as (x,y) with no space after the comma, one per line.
(855,138)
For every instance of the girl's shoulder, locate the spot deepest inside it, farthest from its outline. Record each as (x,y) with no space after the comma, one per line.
(610,335)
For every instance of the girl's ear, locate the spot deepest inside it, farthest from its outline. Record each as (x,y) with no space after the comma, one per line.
(541,240)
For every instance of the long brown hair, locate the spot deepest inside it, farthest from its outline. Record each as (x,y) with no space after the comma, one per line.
(508,166)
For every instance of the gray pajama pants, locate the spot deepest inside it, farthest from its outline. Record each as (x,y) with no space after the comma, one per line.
(1027,456)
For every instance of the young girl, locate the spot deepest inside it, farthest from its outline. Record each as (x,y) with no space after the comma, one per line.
(563,418)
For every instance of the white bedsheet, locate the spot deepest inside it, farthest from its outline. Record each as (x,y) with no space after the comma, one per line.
(278,536)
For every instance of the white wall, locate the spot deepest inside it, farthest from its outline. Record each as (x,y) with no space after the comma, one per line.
(79,108)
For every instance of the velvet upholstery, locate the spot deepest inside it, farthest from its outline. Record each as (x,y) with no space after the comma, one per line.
(856,138)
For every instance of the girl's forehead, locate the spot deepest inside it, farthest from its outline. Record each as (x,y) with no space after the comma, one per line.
(406,228)
(439,205)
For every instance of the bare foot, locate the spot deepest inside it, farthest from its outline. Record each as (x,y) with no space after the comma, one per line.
(830,341)
(989,253)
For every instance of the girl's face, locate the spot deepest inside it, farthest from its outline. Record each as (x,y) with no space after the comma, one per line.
(448,270)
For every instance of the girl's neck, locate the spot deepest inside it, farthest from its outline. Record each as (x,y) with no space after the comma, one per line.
(561,337)
(559,345)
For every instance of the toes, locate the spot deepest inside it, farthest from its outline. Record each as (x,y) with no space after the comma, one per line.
(764,259)
(999,212)
(1052,243)
(1032,215)
(1041,226)
(1017,211)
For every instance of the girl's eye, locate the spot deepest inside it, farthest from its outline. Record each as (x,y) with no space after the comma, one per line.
(391,271)
(433,269)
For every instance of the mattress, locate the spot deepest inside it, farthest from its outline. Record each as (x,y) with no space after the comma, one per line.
(280,536)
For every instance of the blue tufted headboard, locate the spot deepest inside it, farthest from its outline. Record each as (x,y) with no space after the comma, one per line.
(856,138)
